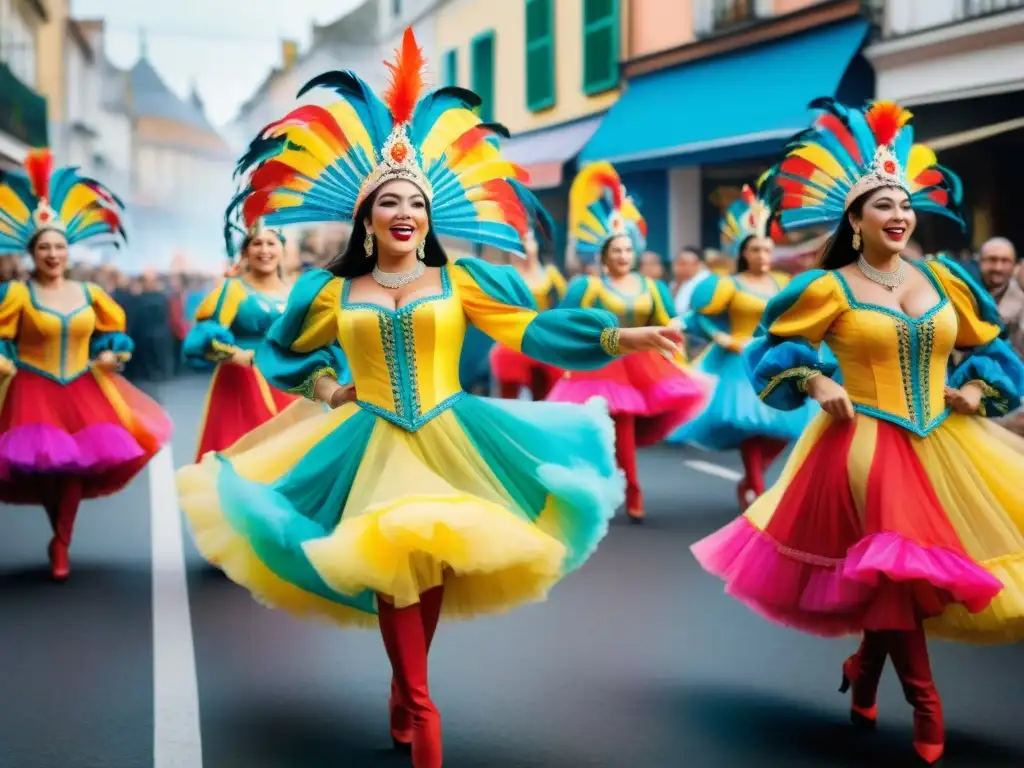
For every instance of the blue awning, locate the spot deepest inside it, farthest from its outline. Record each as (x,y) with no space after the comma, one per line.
(736,106)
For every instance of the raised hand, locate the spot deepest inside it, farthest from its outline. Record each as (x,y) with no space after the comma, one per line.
(833,398)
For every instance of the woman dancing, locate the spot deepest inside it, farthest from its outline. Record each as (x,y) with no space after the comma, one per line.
(649,394)
(231,322)
(726,310)
(513,370)
(893,515)
(70,428)
(411,499)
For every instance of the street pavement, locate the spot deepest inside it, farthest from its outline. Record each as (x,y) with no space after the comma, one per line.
(638,660)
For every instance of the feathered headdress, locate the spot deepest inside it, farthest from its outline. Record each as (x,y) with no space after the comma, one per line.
(749,216)
(38,198)
(319,164)
(600,209)
(236,231)
(849,152)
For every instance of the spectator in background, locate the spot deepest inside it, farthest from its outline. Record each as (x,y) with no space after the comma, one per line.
(652,266)
(997,265)
(8,268)
(176,317)
(149,325)
(688,269)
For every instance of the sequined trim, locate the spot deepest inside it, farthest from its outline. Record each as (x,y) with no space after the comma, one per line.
(219,351)
(411,425)
(610,341)
(994,398)
(906,368)
(926,343)
(307,389)
(801,374)
(409,342)
(387,340)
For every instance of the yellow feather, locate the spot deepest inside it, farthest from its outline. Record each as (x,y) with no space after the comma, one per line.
(497,169)
(589,221)
(309,141)
(348,120)
(822,158)
(77,198)
(446,131)
(282,199)
(478,155)
(921,159)
(12,205)
(302,162)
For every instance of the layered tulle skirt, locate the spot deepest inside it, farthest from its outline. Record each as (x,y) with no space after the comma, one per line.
(661,393)
(317,511)
(515,368)
(98,428)
(735,413)
(238,401)
(873,527)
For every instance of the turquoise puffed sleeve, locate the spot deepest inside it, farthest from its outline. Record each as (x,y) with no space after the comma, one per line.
(109,334)
(709,305)
(786,351)
(301,346)
(211,339)
(989,361)
(498,302)
(577,289)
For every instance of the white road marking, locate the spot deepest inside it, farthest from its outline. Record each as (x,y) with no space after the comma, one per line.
(714,469)
(177,742)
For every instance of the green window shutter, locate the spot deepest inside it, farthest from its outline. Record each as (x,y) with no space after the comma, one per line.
(450,69)
(600,45)
(540,54)
(483,73)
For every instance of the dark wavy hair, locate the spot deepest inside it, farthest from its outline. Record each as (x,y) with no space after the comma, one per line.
(741,261)
(352,261)
(839,250)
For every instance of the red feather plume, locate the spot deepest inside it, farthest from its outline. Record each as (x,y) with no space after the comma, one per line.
(501,192)
(271,175)
(406,79)
(885,118)
(462,145)
(747,194)
(837,128)
(38,166)
(612,184)
(312,115)
(255,206)
(939,196)
(798,166)
(641,224)
(929,178)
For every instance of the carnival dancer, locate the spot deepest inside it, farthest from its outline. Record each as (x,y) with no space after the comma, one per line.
(70,428)
(231,322)
(649,394)
(513,370)
(411,498)
(725,310)
(893,515)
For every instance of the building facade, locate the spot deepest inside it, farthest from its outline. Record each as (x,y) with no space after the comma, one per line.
(23,109)
(547,70)
(711,96)
(958,65)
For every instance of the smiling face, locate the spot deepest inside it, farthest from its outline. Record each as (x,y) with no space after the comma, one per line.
(264,253)
(398,218)
(619,257)
(50,254)
(886,222)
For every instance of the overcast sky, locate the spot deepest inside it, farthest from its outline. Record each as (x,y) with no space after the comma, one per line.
(225,46)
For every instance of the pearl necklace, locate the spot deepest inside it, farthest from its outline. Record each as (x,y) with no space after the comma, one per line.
(398,279)
(889,280)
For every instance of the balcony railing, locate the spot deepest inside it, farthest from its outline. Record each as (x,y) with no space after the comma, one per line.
(911,16)
(730,13)
(22,110)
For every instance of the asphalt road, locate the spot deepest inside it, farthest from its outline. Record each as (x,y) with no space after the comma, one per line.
(637,661)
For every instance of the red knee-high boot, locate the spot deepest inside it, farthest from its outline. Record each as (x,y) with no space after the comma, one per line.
(863,671)
(770,450)
(62,513)
(508,390)
(752,484)
(401,716)
(625,456)
(909,654)
(540,383)
(406,645)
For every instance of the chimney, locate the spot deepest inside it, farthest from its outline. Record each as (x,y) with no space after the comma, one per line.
(289,54)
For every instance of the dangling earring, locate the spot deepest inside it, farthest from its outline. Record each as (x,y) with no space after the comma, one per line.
(421,250)
(856,241)
(368,244)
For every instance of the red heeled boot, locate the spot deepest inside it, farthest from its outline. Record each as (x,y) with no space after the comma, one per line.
(625,457)
(862,672)
(909,654)
(405,641)
(62,520)
(400,715)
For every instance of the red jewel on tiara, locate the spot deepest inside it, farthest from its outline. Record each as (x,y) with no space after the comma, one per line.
(44,216)
(399,152)
(889,166)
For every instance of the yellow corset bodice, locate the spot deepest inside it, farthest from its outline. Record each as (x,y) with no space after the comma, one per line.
(405,362)
(745,312)
(549,291)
